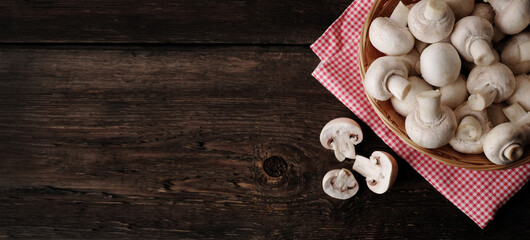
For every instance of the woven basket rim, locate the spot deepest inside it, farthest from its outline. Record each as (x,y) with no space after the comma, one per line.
(445,154)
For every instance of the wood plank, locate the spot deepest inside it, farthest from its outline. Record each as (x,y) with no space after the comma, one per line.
(161,21)
(103,142)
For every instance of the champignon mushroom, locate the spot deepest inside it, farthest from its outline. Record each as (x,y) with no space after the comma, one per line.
(407,105)
(522,91)
(516,53)
(485,11)
(472,37)
(431,124)
(380,170)
(488,84)
(385,78)
(431,20)
(461,8)
(440,64)
(471,131)
(341,135)
(512,16)
(505,143)
(340,184)
(389,37)
(455,93)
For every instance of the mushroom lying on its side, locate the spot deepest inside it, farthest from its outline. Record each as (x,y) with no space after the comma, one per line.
(340,184)
(471,131)
(341,135)
(512,16)
(380,170)
(389,37)
(472,37)
(506,142)
(488,84)
(387,77)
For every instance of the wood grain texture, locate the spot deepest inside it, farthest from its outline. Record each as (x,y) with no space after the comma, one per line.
(170,142)
(162,21)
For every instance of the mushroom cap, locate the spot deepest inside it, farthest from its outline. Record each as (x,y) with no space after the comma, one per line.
(407,105)
(389,37)
(485,11)
(496,75)
(426,30)
(340,184)
(470,29)
(522,89)
(461,8)
(514,17)
(440,64)
(341,135)
(432,135)
(470,146)
(515,51)
(375,79)
(455,93)
(389,170)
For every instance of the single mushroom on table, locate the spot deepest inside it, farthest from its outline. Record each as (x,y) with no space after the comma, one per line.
(340,184)
(471,131)
(387,77)
(488,84)
(506,142)
(512,16)
(472,37)
(407,105)
(516,53)
(380,170)
(431,21)
(389,37)
(341,135)
(431,124)
(521,95)
(440,64)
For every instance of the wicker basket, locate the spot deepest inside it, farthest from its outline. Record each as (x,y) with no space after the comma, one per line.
(396,123)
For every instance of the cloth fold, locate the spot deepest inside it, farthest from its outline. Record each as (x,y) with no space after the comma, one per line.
(479,194)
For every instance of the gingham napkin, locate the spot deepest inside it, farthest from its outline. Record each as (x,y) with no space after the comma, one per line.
(479,194)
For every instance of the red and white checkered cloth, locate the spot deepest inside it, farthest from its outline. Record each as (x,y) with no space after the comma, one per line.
(479,194)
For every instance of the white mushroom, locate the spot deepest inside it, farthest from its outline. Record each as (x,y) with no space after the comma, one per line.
(496,114)
(440,64)
(341,135)
(400,14)
(389,37)
(485,11)
(488,84)
(506,142)
(340,184)
(461,8)
(512,16)
(407,105)
(516,53)
(431,124)
(380,170)
(455,93)
(471,131)
(521,95)
(472,37)
(385,78)
(431,20)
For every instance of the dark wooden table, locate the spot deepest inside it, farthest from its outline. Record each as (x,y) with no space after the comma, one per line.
(189,119)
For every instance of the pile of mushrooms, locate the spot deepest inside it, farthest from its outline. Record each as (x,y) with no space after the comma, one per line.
(458,71)
(380,169)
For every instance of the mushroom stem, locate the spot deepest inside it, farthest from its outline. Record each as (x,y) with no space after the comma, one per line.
(524,51)
(366,167)
(398,86)
(481,52)
(483,98)
(513,152)
(469,129)
(429,106)
(342,180)
(435,10)
(514,112)
(343,146)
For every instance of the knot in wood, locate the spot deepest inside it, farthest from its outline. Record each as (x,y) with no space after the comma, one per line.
(275,166)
